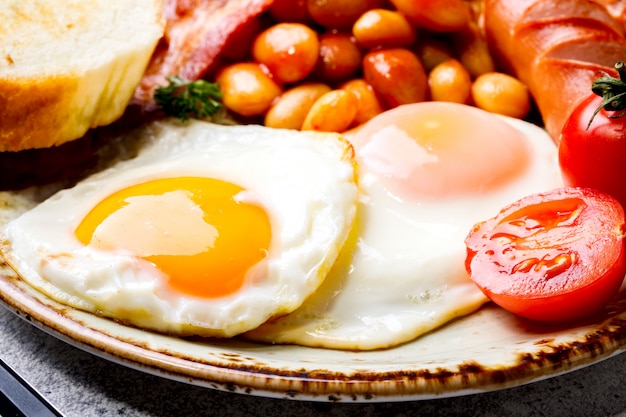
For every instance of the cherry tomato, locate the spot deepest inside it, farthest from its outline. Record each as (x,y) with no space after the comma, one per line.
(594,157)
(554,256)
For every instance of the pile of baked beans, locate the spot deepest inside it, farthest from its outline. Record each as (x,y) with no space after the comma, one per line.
(333,65)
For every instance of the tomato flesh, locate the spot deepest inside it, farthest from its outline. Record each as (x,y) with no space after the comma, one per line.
(554,256)
(593,157)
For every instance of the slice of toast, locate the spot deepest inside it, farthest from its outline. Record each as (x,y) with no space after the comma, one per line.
(70,65)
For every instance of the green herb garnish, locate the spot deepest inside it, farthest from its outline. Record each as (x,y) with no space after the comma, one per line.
(184,99)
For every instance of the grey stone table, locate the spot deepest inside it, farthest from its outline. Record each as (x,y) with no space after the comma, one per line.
(80,384)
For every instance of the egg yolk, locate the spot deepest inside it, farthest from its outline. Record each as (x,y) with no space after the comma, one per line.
(436,149)
(201,232)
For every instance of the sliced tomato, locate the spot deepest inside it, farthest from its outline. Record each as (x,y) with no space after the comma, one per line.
(555,256)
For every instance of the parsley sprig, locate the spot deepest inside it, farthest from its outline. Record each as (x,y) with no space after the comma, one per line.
(184,99)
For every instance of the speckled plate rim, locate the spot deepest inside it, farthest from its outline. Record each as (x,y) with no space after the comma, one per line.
(486,351)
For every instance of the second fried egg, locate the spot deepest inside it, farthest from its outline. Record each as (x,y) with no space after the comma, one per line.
(428,172)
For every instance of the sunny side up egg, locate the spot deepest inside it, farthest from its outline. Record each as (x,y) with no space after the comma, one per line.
(428,172)
(210,230)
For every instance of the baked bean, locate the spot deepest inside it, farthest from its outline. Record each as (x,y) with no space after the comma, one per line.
(247,89)
(500,93)
(476,8)
(290,109)
(397,75)
(386,28)
(291,11)
(473,51)
(332,112)
(340,14)
(340,57)
(450,81)
(384,52)
(368,104)
(435,15)
(433,52)
(288,50)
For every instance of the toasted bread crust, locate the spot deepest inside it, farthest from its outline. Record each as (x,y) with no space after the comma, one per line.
(86,74)
(34,113)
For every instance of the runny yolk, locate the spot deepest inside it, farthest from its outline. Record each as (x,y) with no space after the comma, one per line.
(436,149)
(200,232)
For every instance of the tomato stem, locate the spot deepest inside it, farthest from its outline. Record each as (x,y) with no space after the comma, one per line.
(613,92)
(621,70)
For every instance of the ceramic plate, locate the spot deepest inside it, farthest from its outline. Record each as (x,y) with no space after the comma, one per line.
(488,350)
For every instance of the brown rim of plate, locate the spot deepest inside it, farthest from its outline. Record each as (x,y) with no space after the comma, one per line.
(242,373)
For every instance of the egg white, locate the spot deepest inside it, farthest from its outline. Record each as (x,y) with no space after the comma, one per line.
(304,181)
(401,273)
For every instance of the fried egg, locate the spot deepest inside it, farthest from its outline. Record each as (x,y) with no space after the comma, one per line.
(210,230)
(428,172)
